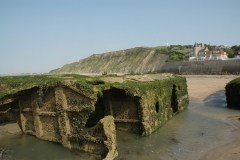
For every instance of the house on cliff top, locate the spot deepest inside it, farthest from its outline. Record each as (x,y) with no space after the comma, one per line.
(200,52)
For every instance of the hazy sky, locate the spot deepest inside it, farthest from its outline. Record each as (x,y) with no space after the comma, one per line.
(41,35)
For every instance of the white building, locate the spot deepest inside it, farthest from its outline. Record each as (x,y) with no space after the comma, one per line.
(200,52)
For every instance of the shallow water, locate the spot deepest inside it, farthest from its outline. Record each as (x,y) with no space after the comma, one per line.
(189,135)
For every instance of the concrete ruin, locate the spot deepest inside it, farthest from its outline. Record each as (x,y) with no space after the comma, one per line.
(65,113)
(232,91)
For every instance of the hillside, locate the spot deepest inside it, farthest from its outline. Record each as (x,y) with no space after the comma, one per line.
(135,60)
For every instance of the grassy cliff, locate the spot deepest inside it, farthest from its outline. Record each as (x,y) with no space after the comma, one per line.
(135,60)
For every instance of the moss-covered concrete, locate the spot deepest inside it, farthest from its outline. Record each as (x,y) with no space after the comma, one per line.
(233,93)
(82,112)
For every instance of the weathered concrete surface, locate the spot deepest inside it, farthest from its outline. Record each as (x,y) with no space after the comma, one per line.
(110,142)
(233,94)
(64,113)
(202,67)
(60,115)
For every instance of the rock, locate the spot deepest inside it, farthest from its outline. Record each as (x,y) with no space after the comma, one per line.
(232,91)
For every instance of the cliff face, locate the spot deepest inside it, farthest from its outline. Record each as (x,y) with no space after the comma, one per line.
(135,60)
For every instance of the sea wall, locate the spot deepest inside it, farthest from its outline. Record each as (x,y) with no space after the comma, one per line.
(202,67)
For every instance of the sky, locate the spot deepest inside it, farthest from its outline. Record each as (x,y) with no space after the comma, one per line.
(37,36)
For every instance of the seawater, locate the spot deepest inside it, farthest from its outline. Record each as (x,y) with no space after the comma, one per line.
(188,135)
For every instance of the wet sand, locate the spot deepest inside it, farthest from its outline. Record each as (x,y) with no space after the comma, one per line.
(200,87)
(231,150)
(9,128)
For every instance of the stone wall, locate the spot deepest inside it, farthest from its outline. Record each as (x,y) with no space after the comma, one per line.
(66,115)
(202,67)
(60,115)
(142,113)
(124,108)
(158,109)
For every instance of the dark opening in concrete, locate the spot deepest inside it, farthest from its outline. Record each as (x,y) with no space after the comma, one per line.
(174,102)
(124,108)
(9,112)
(97,115)
(157,107)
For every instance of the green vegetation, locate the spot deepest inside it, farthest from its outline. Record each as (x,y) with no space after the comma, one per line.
(136,60)
(233,51)
(143,88)
(158,98)
(123,61)
(91,86)
(13,84)
(229,52)
(175,52)
(233,93)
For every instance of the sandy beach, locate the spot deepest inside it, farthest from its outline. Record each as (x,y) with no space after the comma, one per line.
(231,150)
(199,88)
